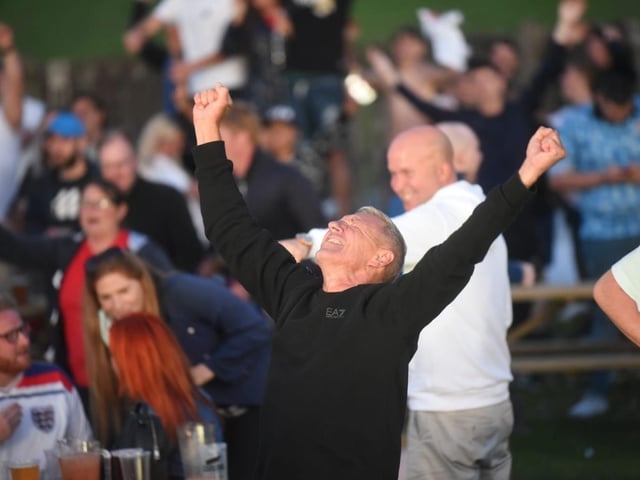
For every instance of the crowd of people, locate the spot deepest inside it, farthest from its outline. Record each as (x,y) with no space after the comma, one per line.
(188,272)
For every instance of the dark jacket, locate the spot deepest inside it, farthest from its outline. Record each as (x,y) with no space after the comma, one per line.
(52,202)
(161,212)
(216,328)
(280,198)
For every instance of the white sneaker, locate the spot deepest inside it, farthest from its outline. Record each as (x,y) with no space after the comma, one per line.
(589,406)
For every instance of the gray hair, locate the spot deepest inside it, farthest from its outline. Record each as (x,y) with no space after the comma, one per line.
(7,302)
(395,239)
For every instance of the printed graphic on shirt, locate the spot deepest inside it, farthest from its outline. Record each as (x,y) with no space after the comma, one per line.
(66,204)
(331,312)
(43,417)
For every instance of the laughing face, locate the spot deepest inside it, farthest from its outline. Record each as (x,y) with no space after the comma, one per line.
(99,215)
(351,241)
(419,162)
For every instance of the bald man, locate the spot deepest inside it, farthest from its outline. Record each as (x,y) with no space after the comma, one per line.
(459,376)
(467,155)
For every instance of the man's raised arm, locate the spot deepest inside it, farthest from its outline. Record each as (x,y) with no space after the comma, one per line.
(446,268)
(491,217)
(544,150)
(208,109)
(255,259)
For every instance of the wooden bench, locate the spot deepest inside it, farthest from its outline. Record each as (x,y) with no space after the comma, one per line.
(572,356)
(549,300)
(562,355)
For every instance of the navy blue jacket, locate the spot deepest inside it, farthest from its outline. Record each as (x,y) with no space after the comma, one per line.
(280,198)
(225,333)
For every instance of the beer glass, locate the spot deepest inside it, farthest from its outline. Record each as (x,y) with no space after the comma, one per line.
(202,457)
(130,464)
(24,470)
(81,460)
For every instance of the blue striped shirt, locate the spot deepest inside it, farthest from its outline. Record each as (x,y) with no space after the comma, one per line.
(609,211)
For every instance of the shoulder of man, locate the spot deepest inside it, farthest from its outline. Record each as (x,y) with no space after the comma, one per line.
(42,374)
(156,189)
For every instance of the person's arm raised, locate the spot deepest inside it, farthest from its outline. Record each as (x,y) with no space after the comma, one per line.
(446,268)
(208,109)
(544,150)
(569,29)
(261,265)
(14,78)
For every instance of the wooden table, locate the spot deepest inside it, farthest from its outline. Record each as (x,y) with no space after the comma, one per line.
(549,300)
(562,355)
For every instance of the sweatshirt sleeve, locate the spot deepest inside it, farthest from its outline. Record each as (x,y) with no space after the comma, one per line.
(446,268)
(31,251)
(261,265)
(437,114)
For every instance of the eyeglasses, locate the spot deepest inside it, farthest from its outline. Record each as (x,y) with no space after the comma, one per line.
(101,204)
(12,335)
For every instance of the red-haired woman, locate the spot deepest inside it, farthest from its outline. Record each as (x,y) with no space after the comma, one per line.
(227,341)
(154,378)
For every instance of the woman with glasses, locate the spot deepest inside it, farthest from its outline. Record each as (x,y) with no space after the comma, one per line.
(226,340)
(62,259)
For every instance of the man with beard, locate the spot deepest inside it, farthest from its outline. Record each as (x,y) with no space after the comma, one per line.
(53,197)
(38,404)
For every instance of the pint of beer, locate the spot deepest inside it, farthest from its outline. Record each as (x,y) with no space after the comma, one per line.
(25,470)
(80,466)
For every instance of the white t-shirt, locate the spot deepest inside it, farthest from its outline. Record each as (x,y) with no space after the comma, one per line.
(463,360)
(201,25)
(51,411)
(626,271)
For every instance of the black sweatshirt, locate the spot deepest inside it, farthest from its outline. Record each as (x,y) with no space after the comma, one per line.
(336,393)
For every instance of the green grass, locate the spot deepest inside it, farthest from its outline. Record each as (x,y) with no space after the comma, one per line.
(548,445)
(67,28)
(93,28)
(378,17)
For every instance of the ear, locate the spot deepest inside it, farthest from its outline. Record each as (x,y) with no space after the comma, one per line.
(382,258)
(445,171)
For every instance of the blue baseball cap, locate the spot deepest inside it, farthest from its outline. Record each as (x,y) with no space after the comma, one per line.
(67,125)
(280,113)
